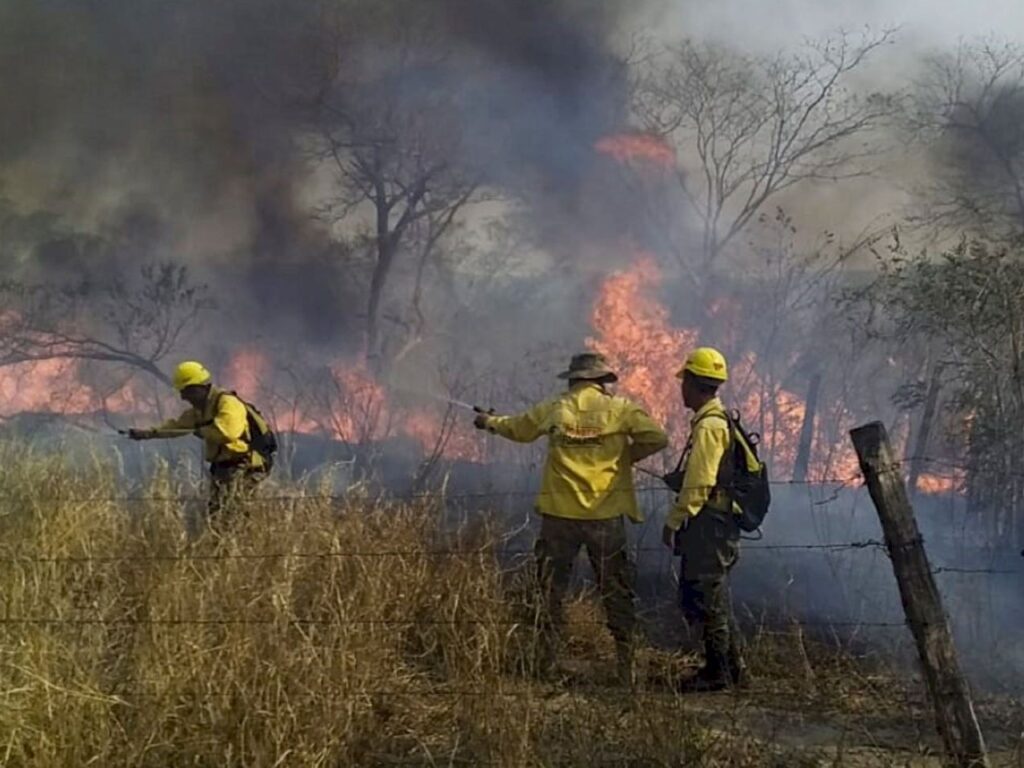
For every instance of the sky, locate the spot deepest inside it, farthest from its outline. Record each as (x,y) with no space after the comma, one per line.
(771,23)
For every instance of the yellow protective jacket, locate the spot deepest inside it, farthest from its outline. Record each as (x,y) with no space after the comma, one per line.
(223,425)
(593,440)
(710,438)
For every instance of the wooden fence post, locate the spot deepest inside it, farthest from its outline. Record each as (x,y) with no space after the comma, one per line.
(922,605)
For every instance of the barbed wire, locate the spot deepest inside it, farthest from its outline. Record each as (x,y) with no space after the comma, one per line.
(369,553)
(389,496)
(360,622)
(491,552)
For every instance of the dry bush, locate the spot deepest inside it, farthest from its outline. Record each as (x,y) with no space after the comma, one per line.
(308,633)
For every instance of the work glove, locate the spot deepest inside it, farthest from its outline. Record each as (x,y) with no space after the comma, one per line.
(482,416)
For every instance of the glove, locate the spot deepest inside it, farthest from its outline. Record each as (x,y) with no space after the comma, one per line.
(480,422)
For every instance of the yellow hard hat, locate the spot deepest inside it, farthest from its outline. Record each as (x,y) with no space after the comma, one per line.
(707,363)
(190,374)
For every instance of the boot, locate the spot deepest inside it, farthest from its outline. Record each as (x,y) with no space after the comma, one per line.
(713,676)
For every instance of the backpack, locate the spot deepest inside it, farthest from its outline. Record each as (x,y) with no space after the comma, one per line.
(744,477)
(262,439)
(741,475)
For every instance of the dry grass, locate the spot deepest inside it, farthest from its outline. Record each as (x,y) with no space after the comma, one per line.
(125,643)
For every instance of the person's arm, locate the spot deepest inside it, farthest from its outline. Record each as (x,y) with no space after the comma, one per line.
(646,437)
(710,442)
(523,428)
(183,425)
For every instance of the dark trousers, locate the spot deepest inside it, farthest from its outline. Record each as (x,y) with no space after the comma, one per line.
(605,540)
(709,546)
(231,486)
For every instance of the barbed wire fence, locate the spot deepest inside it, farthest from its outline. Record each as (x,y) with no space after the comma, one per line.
(819,507)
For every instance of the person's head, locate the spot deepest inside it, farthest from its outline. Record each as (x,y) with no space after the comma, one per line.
(192,382)
(589,368)
(704,371)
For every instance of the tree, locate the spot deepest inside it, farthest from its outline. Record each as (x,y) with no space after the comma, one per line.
(136,324)
(968,110)
(747,128)
(969,303)
(390,127)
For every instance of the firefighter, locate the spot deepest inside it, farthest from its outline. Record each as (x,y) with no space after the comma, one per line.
(702,525)
(594,438)
(221,420)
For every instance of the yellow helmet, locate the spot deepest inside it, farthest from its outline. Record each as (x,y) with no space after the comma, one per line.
(707,363)
(190,374)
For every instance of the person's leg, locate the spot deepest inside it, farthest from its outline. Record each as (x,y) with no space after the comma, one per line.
(710,547)
(608,550)
(555,552)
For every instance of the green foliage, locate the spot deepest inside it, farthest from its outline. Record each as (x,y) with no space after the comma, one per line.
(965,308)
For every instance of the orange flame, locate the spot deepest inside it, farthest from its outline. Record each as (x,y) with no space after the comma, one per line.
(633,331)
(638,147)
(351,406)
(934,484)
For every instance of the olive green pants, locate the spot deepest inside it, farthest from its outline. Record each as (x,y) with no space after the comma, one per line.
(231,487)
(559,542)
(710,546)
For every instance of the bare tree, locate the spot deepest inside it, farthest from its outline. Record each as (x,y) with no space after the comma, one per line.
(391,130)
(136,324)
(746,128)
(968,109)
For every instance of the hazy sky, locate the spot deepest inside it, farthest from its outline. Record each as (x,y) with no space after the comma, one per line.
(752,23)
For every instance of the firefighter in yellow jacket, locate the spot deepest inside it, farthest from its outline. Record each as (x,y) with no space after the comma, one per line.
(220,420)
(702,525)
(593,440)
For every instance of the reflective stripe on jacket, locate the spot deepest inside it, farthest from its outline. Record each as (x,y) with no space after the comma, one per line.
(223,425)
(593,440)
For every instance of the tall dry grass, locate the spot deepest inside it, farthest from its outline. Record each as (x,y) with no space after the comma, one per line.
(308,633)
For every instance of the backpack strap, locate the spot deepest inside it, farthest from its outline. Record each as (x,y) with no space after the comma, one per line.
(689,442)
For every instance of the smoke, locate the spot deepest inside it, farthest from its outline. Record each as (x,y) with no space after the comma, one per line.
(156,130)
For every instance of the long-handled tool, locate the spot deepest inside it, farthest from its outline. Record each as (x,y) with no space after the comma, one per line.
(456,403)
(162,432)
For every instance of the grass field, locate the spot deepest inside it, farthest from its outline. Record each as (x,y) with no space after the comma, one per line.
(319,633)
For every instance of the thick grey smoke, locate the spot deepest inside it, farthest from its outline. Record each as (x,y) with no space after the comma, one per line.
(149,130)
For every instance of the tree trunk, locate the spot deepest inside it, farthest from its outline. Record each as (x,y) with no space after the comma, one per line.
(385,257)
(920,451)
(803,454)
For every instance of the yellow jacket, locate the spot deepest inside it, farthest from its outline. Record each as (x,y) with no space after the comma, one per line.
(709,440)
(708,443)
(223,425)
(593,441)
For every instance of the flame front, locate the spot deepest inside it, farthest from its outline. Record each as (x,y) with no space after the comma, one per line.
(633,331)
(638,147)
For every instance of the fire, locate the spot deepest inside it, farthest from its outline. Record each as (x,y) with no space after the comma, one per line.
(633,331)
(638,147)
(934,484)
(349,404)
(58,386)
(635,335)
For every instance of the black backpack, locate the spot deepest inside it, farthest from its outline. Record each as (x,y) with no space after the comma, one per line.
(262,439)
(748,488)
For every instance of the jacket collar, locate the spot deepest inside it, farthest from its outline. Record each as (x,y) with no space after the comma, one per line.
(713,405)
